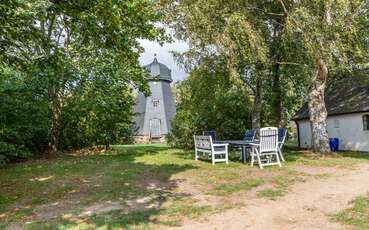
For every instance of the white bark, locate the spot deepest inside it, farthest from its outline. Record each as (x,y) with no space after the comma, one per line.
(318,111)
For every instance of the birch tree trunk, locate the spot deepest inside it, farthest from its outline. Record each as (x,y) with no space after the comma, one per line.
(256,110)
(318,111)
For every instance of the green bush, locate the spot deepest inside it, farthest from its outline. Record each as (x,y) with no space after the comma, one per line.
(23,117)
(99,114)
(209,100)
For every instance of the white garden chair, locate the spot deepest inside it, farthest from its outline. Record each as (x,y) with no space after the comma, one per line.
(266,151)
(205,145)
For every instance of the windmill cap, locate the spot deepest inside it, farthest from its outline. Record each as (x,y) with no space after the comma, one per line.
(159,71)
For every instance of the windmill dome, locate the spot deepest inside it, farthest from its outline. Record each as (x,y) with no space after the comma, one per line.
(159,71)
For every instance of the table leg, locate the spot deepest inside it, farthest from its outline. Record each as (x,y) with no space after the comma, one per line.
(247,156)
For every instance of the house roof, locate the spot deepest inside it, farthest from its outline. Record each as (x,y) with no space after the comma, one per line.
(348,95)
(159,71)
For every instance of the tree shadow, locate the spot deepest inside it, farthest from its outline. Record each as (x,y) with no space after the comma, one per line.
(356,155)
(112,189)
(293,154)
(185,154)
(130,152)
(146,187)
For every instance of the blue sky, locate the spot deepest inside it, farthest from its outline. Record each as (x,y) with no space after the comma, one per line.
(164,56)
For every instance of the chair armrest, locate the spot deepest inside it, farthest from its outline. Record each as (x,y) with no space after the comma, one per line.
(255,144)
(219,145)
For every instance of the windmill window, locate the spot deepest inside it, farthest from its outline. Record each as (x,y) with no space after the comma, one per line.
(336,124)
(155,103)
(366,122)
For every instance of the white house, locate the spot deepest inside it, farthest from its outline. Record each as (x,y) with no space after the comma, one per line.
(348,115)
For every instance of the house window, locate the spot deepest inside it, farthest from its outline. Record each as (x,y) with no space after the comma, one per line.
(336,123)
(366,122)
(155,103)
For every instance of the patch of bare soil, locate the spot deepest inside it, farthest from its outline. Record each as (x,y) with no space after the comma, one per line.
(195,192)
(87,151)
(140,204)
(66,207)
(202,199)
(320,170)
(71,203)
(306,206)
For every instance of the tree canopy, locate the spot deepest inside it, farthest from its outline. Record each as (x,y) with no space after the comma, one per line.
(69,69)
(209,100)
(282,51)
(81,59)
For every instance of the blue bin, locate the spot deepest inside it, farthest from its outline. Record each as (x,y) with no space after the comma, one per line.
(334,144)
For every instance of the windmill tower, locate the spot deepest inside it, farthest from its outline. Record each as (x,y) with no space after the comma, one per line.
(153,114)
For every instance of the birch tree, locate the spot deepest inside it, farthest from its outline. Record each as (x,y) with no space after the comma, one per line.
(330,37)
(305,41)
(248,34)
(231,29)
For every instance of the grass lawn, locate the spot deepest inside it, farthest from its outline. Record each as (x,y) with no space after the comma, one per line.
(357,215)
(142,186)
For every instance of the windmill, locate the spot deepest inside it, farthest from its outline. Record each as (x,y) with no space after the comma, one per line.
(153,114)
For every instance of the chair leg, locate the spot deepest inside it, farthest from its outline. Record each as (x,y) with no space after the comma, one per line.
(196,155)
(226,154)
(280,153)
(278,161)
(252,157)
(247,153)
(259,160)
(212,158)
(243,154)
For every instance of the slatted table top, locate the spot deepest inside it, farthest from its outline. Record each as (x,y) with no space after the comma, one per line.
(237,142)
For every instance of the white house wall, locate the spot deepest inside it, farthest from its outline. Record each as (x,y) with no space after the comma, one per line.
(305,133)
(347,128)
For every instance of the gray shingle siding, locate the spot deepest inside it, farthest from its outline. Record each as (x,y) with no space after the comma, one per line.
(161,93)
(139,110)
(170,106)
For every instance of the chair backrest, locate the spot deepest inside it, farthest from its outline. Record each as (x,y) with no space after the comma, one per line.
(250,135)
(282,133)
(211,133)
(268,139)
(203,142)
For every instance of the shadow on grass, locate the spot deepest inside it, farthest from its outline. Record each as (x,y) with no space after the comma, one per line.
(293,154)
(114,188)
(356,155)
(186,154)
(130,152)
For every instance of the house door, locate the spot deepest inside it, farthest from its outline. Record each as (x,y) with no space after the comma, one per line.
(155,127)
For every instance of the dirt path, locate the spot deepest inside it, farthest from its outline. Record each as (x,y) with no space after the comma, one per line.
(306,206)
